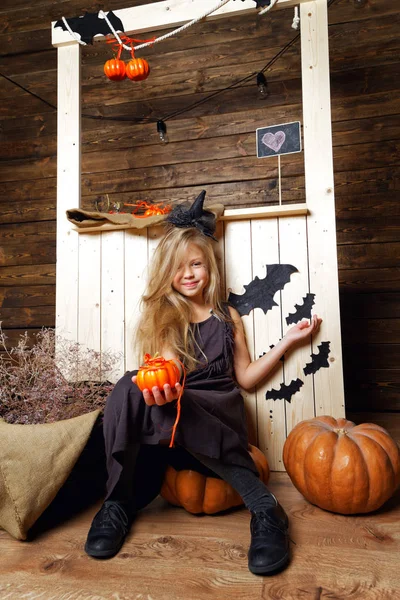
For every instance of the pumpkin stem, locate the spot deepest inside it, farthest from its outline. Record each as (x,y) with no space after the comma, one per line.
(341,431)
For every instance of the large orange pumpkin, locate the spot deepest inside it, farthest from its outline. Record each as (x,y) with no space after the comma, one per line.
(342,467)
(200,494)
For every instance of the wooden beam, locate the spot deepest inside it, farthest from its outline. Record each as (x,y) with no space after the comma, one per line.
(230,214)
(171,13)
(68,189)
(264,212)
(321,226)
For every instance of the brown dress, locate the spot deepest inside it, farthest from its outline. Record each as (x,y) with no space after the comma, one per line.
(212,421)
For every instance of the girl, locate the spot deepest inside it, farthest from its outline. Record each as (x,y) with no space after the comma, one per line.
(184,318)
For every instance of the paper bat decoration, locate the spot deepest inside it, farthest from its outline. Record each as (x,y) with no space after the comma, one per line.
(260,292)
(318,360)
(90,25)
(303,311)
(285,392)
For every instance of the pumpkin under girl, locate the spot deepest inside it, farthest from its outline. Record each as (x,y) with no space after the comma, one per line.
(184,319)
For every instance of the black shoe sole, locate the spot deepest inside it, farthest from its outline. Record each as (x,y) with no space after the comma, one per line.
(103,553)
(270,569)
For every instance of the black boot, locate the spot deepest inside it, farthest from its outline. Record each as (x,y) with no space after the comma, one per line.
(269,547)
(108,531)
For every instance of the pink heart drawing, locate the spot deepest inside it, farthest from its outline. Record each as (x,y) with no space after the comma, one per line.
(274,141)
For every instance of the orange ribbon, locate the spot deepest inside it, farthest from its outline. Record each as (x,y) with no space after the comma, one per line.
(128,41)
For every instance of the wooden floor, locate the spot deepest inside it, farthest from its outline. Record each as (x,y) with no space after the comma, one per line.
(172,555)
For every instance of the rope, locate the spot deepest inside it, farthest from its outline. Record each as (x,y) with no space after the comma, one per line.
(160,39)
(268,8)
(103,15)
(167,35)
(296,18)
(64,20)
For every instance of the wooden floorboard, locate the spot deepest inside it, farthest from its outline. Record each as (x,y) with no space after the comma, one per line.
(172,555)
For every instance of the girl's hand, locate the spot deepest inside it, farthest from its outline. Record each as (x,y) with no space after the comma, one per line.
(301,331)
(160,397)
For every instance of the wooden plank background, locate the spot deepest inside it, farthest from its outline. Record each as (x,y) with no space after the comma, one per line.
(212,147)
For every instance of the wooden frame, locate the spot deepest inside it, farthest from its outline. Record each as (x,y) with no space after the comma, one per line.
(81,295)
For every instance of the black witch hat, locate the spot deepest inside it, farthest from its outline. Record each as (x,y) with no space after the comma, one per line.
(194,216)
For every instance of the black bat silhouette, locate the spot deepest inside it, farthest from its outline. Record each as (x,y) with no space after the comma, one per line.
(285,392)
(260,3)
(318,360)
(303,311)
(260,292)
(90,25)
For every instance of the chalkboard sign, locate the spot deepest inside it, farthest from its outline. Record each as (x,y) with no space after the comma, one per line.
(278,139)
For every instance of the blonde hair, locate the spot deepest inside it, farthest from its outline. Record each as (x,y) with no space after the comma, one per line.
(166,314)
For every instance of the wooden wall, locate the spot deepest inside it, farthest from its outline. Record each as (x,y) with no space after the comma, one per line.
(212,147)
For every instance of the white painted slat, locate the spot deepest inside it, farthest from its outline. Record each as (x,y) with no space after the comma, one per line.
(89,302)
(171,13)
(329,392)
(113,298)
(68,191)
(238,271)
(293,251)
(135,280)
(267,331)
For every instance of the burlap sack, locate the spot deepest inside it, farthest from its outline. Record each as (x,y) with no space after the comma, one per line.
(35,461)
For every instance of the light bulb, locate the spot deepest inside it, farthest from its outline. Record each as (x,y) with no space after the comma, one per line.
(162,131)
(359,3)
(262,84)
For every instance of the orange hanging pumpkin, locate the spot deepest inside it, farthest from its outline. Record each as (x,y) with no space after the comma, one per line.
(115,68)
(342,467)
(137,69)
(200,494)
(157,371)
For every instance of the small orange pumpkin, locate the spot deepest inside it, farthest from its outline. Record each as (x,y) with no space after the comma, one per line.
(200,494)
(157,371)
(137,69)
(115,67)
(342,467)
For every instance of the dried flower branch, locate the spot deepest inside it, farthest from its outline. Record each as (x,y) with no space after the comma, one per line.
(37,388)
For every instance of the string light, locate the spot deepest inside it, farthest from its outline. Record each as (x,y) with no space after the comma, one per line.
(262,84)
(162,131)
(359,3)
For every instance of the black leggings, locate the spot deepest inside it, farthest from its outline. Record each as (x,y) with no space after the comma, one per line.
(144,468)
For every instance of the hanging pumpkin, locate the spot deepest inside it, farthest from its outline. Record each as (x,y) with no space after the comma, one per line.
(200,494)
(115,67)
(137,69)
(342,467)
(156,371)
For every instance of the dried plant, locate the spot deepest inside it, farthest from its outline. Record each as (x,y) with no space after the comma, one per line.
(37,388)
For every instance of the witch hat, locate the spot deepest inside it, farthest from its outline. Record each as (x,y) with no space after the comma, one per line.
(194,216)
